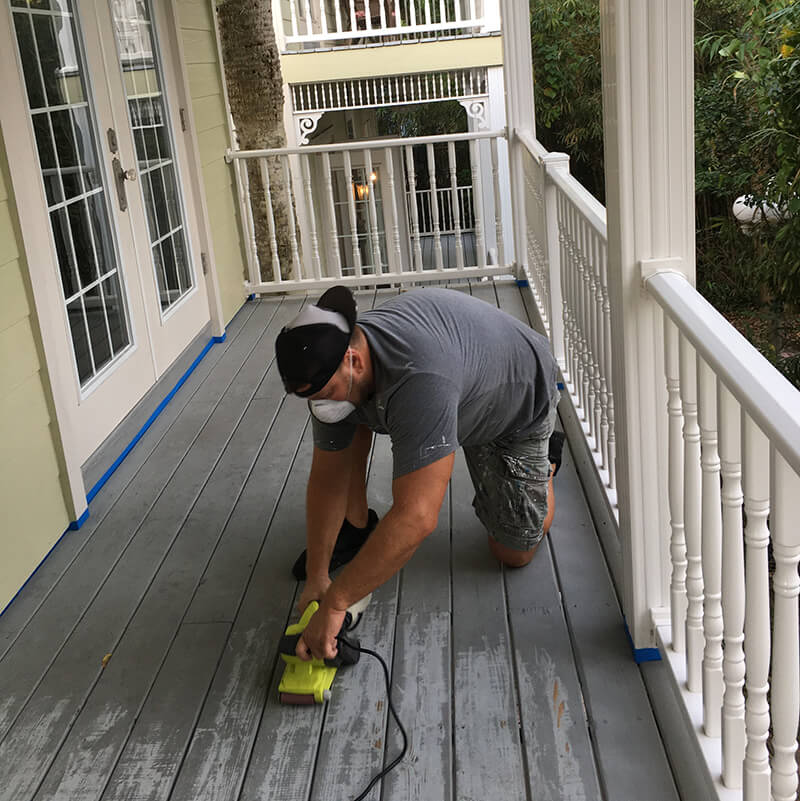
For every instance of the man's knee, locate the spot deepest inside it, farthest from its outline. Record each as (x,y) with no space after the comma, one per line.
(509,556)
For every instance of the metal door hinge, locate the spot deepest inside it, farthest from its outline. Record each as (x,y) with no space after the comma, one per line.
(204,262)
(183,119)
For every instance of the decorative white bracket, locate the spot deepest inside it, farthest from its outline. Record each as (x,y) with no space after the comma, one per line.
(476,110)
(307,124)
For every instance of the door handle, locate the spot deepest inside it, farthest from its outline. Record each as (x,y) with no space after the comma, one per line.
(120,176)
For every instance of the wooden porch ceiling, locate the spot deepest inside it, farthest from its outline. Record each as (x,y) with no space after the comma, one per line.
(140,661)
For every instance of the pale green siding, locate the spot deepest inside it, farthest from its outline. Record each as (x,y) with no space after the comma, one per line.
(32,504)
(208,112)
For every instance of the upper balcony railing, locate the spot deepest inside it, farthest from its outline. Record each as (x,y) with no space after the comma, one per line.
(347,23)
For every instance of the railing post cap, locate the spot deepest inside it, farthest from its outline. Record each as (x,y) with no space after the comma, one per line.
(556,162)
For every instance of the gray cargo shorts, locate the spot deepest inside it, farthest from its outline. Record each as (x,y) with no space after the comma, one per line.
(510,478)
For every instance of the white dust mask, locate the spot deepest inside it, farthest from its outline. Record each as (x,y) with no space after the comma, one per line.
(334,411)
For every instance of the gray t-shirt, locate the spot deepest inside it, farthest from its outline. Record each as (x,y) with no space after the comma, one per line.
(449,370)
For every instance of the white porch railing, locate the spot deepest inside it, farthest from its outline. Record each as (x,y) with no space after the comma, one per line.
(328,214)
(730,633)
(454,212)
(329,23)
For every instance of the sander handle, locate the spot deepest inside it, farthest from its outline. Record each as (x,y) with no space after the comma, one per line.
(349,647)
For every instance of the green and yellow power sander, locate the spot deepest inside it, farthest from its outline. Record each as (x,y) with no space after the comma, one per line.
(310,682)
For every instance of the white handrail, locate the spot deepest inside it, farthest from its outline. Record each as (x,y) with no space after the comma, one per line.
(766,395)
(362,144)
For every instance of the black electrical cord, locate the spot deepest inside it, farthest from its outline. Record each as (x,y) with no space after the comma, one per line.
(378,776)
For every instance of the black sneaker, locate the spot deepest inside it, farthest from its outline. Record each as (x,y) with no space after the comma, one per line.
(555,449)
(348,543)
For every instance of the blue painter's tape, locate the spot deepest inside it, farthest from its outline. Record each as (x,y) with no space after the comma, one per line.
(252,297)
(76,524)
(560,386)
(160,408)
(522,282)
(642,654)
(217,340)
(646,655)
(73,526)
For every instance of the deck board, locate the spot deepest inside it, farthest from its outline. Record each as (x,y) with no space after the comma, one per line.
(511,684)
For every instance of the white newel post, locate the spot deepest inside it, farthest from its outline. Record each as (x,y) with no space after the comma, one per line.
(520,114)
(647,51)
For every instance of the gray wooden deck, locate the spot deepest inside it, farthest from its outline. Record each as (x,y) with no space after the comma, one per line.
(140,661)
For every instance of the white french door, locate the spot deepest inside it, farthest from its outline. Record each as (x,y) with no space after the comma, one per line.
(101,114)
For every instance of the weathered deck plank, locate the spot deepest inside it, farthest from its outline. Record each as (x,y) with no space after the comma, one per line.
(488,757)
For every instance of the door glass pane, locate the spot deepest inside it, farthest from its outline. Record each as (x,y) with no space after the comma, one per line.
(137,47)
(63,122)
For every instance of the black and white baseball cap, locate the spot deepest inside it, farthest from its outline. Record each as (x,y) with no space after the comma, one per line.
(311,347)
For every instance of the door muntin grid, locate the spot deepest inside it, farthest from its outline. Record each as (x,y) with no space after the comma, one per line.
(50,50)
(137,49)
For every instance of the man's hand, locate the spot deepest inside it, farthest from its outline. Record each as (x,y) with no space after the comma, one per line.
(319,638)
(315,590)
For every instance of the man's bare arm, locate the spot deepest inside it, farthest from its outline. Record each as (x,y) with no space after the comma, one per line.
(417,499)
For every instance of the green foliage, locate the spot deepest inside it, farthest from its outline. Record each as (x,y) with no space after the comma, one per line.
(565,40)
(749,87)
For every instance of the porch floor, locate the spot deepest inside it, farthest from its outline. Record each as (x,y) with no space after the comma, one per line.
(140,661)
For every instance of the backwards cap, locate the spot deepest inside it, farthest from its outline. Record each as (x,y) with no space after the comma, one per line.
(311,347)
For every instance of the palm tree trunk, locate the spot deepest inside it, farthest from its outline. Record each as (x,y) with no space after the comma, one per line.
(255,90)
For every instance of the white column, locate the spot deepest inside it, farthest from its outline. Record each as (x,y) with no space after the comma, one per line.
(496,120)
(519,115)
(647,51)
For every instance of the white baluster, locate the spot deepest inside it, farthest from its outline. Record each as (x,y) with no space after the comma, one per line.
(498,215)
(338,13)
(427,12)
(293,15)
(601,356)
(595,301)
(334,256)
(477,200)
(411,177)
(586,356)
(374,236)
(437,232)
(351,208)
(309,21)
(323,15)
(451,158)
(711,528)
(353,23)
(756,784)
(677,547)
(785,696)
(563,260)
(250,225)
(691,517)
(733,599)
(394,254)
(611,442)
(312,222)
(273,241)
(297,267)
(579,315)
